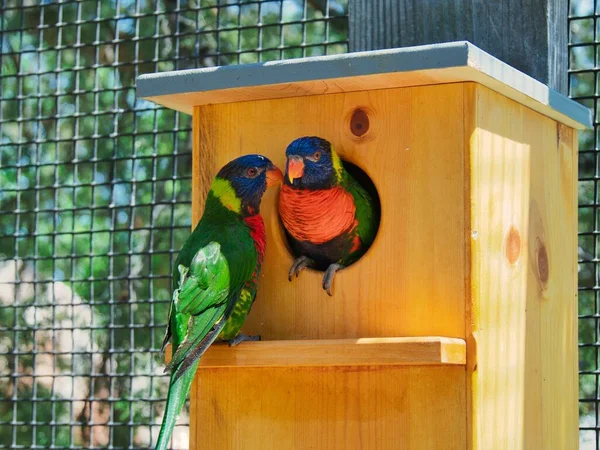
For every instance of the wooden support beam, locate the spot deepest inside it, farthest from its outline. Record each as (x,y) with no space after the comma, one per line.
(530,35)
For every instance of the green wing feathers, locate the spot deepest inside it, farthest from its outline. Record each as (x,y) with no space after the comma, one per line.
(200,306)
(202,300)
(206,282)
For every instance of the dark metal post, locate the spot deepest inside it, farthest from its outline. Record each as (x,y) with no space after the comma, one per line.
(530,35)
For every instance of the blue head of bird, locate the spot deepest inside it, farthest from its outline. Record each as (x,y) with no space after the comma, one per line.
(312,164)
(241,183)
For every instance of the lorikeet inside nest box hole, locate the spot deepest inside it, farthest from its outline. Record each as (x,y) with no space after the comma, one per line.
(329,208)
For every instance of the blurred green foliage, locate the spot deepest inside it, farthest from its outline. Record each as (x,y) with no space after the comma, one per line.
(95,198)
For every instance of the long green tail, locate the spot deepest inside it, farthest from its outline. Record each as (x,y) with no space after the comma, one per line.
(178,392)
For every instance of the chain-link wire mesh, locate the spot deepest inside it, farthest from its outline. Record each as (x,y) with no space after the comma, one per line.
(95,199)
(584,49)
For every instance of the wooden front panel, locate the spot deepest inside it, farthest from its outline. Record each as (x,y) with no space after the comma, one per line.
(329,408)
(522,322)
(412,281)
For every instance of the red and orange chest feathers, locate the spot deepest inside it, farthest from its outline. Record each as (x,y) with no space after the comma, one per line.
(317,216)
(259,235)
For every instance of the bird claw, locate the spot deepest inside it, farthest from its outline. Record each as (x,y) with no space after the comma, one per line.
(242,338)
(298,265)
(329,275)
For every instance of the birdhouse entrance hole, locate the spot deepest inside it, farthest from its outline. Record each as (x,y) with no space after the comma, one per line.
(365,181)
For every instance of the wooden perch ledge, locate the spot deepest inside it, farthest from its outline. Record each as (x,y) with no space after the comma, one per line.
(338,352)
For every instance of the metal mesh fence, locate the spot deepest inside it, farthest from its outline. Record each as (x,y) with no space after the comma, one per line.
(584,51)
(95,199)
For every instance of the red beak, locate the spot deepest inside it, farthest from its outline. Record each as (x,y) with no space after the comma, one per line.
(274,176)
(295,168)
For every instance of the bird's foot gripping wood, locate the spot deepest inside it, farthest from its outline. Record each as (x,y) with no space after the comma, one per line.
(298,265)
(241,338)
(329,275)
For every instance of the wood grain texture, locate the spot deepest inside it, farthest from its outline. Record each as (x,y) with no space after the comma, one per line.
(411,282)
(523,383)
(426,350)
(557,206)
(530,35)
(471,264)
(390,407)
(477,242)
(204,166)
(338,352)
(499,165)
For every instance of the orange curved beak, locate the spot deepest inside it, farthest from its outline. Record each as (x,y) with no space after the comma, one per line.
(295,168)
(274,176)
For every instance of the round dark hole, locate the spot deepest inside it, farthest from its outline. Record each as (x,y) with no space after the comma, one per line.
(363,179)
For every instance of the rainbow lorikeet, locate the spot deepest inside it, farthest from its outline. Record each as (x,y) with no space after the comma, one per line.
(330,219)
(216,275)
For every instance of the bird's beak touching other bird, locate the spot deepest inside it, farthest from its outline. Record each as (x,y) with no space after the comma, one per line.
(295,167)
(274,176)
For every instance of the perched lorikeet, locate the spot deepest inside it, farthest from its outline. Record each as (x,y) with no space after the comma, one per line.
(331,220)
(216,274)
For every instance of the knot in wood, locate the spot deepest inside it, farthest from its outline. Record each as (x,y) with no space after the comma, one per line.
(359,122)
(543,264)
(513,246)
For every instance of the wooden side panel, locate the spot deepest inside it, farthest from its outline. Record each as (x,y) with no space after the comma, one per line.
(204,165)
(499,167)
(331,408)
(471,264)
(199,184)
(412,281)
(522,351)
(556,287)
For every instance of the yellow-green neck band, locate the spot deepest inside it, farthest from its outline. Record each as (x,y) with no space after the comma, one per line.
(223,190)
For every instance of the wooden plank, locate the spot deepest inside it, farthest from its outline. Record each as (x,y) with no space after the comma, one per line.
(185,101)
(202,172)
(391,407)
(204,165)
(555,233)
(411,282)
(536,133)
(338,352)
(470,138)
(530,35)
(424,350)
(499,180)
(383,69)
(522,311)
(371,407)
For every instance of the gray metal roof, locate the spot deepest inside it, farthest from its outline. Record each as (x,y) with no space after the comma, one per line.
(411,66)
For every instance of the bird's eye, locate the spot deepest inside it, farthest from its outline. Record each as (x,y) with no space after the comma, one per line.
(252,172)
(316,156)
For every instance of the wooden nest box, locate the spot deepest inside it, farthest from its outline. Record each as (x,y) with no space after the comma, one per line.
(458,328)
